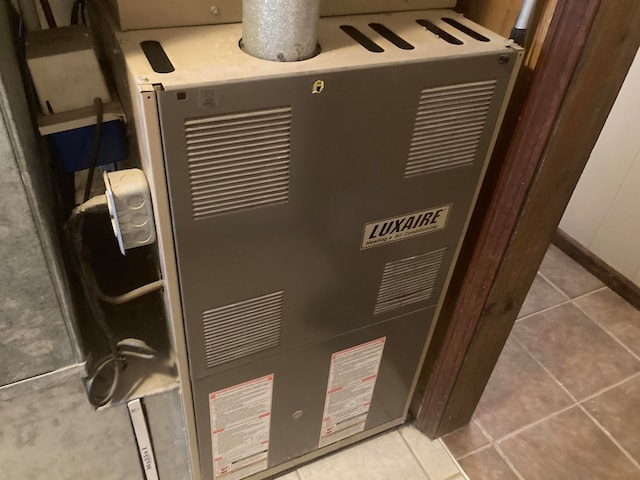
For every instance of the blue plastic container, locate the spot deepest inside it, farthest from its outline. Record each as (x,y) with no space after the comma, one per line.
(72,148)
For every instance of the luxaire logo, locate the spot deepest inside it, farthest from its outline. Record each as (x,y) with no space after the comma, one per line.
(405,226)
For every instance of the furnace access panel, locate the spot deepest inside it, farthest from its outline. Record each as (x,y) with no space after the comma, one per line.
(317,209)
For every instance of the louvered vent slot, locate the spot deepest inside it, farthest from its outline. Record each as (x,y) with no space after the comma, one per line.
(448,126)
(238,161)
(241,329)
(409,280)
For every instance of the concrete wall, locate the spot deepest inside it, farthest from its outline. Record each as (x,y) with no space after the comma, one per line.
(604,212)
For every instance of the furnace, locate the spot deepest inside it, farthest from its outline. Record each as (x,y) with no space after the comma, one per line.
(309,215)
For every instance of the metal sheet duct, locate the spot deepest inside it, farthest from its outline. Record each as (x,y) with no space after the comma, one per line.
(280,30)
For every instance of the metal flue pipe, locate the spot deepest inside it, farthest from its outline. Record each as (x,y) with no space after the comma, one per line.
(280,30)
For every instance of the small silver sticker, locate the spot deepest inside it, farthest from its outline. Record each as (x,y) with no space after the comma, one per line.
(208,98)
(405,226)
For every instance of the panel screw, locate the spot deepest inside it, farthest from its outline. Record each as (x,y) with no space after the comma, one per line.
(297,415)
(503,59)
(214,10)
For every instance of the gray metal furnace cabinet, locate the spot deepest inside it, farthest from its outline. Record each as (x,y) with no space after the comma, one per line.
(317,209)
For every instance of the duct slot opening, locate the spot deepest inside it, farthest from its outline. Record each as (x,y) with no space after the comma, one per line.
(446,36)
(361,38)
(466,30)
(156,56)
(391,36)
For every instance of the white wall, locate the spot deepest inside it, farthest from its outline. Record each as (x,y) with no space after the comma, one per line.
(604,212)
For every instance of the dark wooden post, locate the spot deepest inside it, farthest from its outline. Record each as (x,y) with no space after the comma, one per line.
(586,55)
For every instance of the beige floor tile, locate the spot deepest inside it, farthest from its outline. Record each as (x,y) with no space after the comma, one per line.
(519,392)
(615,315)
(465,439)
(289,476)
(566,274)
(568,446)
(487,464)
(432,454)
(617,411)
(580,354)
(541,295)
(458,476)
(385,457)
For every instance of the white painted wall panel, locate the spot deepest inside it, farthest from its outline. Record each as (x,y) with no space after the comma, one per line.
(618,238)
(604,212)
(610,162)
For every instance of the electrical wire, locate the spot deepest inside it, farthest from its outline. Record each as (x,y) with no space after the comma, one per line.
(74,231)
(117,350)
(99,204)
(95,148)
(132,295)
(48,13)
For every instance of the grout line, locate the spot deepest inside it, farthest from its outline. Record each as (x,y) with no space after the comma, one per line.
(477,450)
(597,290)
(483,430)
(453,458)
(564,302)
(562,292)
(577,297)
(508,462)
(413,454)
(606,330)
(543,310)
(455,476)
(610,437)
(610,387)
(527,426)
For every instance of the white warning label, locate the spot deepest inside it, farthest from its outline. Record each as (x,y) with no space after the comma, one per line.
(352,378)
(240,423)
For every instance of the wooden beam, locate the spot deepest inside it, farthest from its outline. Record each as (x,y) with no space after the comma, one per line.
(587,52)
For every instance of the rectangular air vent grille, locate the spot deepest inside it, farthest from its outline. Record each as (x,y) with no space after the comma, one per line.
(238,161)
(409,280)
(448,127)
(240,329)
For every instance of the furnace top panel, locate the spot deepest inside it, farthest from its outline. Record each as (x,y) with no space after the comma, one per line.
(210,54)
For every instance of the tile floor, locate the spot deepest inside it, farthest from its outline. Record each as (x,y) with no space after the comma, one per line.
(564,398)
(401,454)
